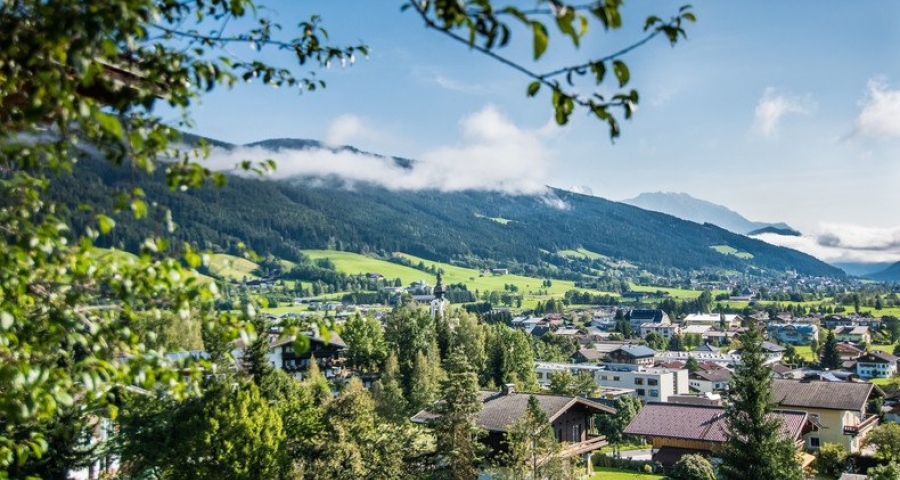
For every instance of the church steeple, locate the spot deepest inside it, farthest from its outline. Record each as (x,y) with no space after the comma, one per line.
(439,304)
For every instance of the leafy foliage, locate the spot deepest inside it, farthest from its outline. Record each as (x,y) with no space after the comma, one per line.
(532,447)
(885,439)
(693,467)
(831,460)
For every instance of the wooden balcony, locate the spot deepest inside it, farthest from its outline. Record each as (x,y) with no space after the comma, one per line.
(592,443)
(862,427)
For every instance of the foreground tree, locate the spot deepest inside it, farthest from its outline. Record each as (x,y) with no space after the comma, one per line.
(532,449)
(613,426)
(755,447)
(888,471)
(458,447)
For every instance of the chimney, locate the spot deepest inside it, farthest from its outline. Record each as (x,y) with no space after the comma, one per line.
(508,388)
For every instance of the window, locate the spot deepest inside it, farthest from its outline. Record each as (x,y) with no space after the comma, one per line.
(638,381)
(654,393)
(641,392)
(813,442)
(616,379)
(652,381)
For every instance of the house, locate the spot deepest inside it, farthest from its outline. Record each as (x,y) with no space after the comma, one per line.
(708,381)
(676,429)
(666,330)
(876,365)
(572,419)
(849,352)
(839,408)
(706,348)
(328,352)
(587,355)
(638,317)
(632,355)
(727,320)
(793,333)
(648,384)
(853,333)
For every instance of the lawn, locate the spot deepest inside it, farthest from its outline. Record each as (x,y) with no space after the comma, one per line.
(674,292)
(353,263)
(726,250)
(230,267)
(582,253)
(616,474)
(806,352)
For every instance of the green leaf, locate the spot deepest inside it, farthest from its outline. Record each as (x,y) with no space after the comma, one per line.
(533,88)
(105,224)
(621,71)
(110,123)
(540,39)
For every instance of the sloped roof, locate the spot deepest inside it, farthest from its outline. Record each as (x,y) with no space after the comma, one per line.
(591,354)
(699,422)
(818,394)
(877,357)
(638,351)
(499,410)
(648,315)
(706,348)
(719,375)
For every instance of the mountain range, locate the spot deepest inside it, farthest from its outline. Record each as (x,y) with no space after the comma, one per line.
(686,207)
(476,228)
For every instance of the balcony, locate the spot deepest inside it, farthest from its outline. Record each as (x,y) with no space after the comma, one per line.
(861,428)
(592,443)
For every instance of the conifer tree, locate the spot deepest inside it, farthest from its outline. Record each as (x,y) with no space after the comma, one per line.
(531,446)
(755,447)
(389,400)
(424,384)
(830,358)
(457,432)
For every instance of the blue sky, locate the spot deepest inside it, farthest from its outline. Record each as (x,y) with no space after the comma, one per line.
(782,111)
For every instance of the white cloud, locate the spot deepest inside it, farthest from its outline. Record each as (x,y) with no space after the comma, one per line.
(880,115)
(772,107)
(350,129)
(844,243)
(493,154)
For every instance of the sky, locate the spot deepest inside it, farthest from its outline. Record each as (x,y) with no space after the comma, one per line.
(781,111)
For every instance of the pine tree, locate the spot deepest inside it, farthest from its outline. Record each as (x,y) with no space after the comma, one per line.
(830,358)
(457,432)
(388,394)
(755,447)
(532,447)
(423,384)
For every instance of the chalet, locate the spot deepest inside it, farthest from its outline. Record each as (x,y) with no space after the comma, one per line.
(707,381)
(853,333)
(833,321)
(876,365)
(676,429)
(839,408)
(328,352)
(587,355)
(572,419)
(638,317)
(793,333)
(849,352)
(632,355)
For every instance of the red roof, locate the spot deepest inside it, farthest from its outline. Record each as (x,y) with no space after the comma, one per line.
(699,422)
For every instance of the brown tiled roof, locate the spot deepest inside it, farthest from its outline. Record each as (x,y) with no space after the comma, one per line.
(591,354)
(878,357)
(720,375)
(817,394)
(499,410)
(699,422)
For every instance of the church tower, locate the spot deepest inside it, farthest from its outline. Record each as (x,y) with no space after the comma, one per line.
(439,304)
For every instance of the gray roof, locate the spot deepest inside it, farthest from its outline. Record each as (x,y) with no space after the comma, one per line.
(638,351)
(706,348)
(817,394)
(499,410)
(591,354)
(878,357)
(699,422)
(719,375)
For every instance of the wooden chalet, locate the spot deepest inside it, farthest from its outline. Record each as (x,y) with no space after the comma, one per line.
(676,429)
(572,419)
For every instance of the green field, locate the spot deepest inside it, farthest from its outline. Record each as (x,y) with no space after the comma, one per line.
(806,352)
(230,267)
(726,250)
(616,474)
(114,255)
(353,263)
(674,292)
(582,253)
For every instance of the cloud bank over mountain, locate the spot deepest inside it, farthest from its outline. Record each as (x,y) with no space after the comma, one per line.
(492,154)
(835,243)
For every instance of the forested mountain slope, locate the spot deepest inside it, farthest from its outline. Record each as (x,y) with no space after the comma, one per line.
(281,217)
